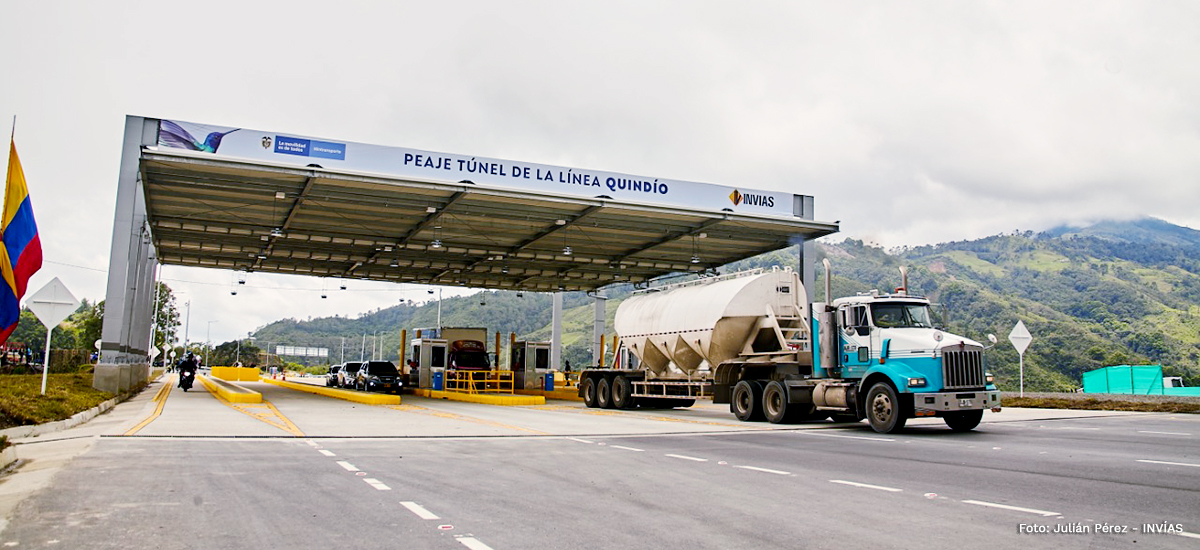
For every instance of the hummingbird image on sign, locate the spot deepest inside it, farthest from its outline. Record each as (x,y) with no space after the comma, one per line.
(174,134)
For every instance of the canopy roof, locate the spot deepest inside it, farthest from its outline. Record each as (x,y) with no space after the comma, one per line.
(210,211)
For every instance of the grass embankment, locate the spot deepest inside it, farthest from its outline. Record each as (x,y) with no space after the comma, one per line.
(1100,405)
(22,402)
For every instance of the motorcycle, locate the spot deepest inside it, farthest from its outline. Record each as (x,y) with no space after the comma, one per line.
(186,378)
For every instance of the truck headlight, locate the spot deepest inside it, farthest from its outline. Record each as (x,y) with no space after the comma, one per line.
(990,378)
(916,382)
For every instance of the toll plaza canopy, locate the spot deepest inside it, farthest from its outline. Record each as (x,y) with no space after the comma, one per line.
(240,199)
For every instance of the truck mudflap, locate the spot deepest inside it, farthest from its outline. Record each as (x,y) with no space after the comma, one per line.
(928,404)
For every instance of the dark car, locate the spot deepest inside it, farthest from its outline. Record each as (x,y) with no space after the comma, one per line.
(379,376)
(331,379)
(348,375)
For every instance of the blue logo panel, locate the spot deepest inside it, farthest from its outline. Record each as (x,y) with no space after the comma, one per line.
(327,150)
(291,146)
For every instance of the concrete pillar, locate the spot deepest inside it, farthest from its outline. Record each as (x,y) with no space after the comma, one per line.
(802,207)
(598,329)
(556,332)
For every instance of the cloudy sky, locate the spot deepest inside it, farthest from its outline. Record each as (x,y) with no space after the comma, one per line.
(909,122)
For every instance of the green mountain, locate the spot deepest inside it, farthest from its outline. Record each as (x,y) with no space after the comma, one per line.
(1112,293)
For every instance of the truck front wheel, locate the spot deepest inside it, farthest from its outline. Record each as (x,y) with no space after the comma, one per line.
(746,404)
(589,392)
(884,410)
(964,421)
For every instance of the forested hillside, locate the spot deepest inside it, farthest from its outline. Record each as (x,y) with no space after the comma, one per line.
(1113,293)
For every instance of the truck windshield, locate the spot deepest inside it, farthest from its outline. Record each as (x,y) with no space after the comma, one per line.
(471,360)
(901,316)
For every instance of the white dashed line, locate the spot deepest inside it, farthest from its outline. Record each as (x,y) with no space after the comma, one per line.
(327,452)
(1188,535)
(627,448)
(1013,508)
(348,466)
(776,472)
(419,510)
(1162,433)
(311,443)
(473,543)
(810,432)
(1170,463)
(692,458)
(866,486)
(580,440)
(376,484)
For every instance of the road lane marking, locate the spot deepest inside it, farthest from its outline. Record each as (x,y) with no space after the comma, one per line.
(327,452)
(692,458)
(376,484)
(162,395)
(769,471)
(453,416)
(419,510)
(1162,433)
(810,432)
(580,440)
(622,447)
(264,412)
(473,543)
(312,443)
(1013,508)
(866,486)
(1188,535)
(1170,463)
(348,466)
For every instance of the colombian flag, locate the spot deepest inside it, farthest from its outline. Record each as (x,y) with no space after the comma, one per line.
(20,249)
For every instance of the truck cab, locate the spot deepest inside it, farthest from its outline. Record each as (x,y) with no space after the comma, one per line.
(469,355)
(906,366)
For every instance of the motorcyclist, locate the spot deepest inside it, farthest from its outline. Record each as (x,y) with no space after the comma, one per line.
(187,370)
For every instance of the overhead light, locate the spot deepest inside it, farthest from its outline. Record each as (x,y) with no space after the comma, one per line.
(695,259)
(431,209)
(387,249)
(504,269)
(280,195)
(395,263)
(276,232)
(560,222)
(437,243)
(703,235)
(566,251)
(262,256)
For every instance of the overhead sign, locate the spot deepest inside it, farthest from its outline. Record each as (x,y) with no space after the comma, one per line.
(1020,337)
(303,151)
(53,303)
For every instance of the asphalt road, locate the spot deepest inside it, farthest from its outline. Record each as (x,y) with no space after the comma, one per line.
(315,472)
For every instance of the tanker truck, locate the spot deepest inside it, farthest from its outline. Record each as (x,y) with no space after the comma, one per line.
(752,340)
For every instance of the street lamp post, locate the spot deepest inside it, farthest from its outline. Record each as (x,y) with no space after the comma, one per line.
(208,342)
(239,349)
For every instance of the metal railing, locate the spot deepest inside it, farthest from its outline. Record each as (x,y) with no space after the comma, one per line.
(479,381)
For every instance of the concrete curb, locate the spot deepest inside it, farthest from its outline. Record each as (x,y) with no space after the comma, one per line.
(229,391)
(355,396)
(8,456)
(561,395)
(485,399)
(35,430)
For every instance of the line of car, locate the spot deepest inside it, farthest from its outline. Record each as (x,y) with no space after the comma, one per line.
(365,376)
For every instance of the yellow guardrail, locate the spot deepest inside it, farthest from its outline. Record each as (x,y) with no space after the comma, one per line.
(479,381)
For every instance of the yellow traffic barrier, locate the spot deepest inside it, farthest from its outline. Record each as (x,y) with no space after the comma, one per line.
(230,392)
(348,395)
(479,381)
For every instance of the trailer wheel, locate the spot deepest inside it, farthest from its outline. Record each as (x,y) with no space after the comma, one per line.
(746,404)
(775,404)
(884,411)
(604,394)
(589,392)
(622,393)
(964,421)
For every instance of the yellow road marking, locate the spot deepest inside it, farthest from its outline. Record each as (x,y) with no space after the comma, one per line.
(270,415)
(161,398)
(452,416)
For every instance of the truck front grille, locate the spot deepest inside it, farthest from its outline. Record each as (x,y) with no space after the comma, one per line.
(962,369)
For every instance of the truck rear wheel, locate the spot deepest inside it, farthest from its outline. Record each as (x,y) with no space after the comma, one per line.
(746,404)
(884,411)
(622,393)
(964,421)
(775,404)
(604,394)
(588,389)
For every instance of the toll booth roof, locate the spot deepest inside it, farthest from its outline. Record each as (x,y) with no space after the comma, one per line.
(327,219)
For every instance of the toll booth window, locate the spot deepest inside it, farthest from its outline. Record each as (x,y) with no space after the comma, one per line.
(416,354)
(541,359)
(518,359)
(439,357)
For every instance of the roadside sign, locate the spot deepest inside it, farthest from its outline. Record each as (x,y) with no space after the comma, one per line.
(51,305)
(1020,339)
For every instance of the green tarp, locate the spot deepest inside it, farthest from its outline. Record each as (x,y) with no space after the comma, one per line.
(1131,379)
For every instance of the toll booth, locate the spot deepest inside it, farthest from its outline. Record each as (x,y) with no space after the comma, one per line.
(430,356)
(530,362)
